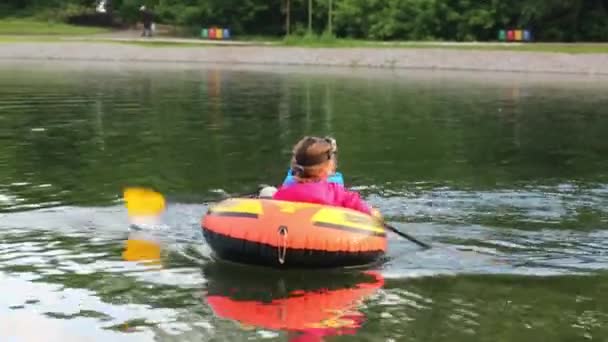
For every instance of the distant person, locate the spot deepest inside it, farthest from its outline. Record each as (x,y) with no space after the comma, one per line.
(101,7)
(147,17)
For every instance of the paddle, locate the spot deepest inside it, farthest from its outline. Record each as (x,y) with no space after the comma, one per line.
(222,195)
(143,202)
(144,207)
(407,236)
(376,214)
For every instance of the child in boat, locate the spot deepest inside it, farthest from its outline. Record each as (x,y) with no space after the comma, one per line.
(267,191)
(335,177)
(313,162)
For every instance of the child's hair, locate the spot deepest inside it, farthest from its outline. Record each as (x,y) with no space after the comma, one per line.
(313,159)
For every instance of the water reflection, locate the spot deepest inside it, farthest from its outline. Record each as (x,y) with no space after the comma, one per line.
(513,169)
(141,246)
(69,140)
(307,305)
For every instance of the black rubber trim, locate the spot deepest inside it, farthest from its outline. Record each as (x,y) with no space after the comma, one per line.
(255,253)
(348,229)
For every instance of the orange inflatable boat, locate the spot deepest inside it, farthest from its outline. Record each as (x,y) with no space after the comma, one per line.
(289,234)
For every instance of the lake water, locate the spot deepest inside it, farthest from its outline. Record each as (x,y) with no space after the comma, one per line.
(506,175)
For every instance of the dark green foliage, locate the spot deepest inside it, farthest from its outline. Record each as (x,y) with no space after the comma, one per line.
(460,20)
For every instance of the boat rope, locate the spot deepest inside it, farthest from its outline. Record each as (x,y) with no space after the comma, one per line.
(282,244)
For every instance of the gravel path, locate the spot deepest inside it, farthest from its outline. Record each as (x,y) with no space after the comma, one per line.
(397,58)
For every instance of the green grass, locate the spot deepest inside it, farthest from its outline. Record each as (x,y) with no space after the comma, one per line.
(16,26)
(582,48)
(261,39)
(155,44)
(28,30)
(573,48)
(28,38)
(331,42)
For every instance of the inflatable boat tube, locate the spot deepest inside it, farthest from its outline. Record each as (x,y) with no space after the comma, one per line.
(290,234)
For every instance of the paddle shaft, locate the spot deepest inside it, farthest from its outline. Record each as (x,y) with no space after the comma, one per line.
(407,236)
(207,200)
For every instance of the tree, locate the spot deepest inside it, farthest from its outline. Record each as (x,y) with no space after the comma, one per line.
(287,16)
(330,29)
(460,20)
(310,17)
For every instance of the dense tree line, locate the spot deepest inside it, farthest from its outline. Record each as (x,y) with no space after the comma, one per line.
(549,20)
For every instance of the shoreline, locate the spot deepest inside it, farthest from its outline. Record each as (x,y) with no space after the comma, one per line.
(354,58)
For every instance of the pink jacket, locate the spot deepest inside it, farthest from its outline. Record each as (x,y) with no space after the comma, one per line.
(322,193)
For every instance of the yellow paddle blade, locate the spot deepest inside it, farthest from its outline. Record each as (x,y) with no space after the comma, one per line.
(142,201)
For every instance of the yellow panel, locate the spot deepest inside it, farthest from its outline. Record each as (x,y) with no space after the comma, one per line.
(348,219)
(248,206)
(292,207)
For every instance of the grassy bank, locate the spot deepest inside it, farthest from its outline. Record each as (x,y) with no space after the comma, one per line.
(339,43)
(330,42)
(28,30)
(19,26)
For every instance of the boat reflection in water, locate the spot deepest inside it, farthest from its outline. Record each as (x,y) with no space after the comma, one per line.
(308,305)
